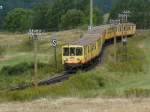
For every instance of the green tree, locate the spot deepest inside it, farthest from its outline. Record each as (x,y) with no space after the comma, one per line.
(71,19)
(41,15)
(140,11)
(60,10)
(97,16)
(18,19)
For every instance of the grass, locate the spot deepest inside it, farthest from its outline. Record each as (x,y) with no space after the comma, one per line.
(17,49)
(120,79)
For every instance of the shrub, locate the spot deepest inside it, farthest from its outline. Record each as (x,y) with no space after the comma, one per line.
(18,19)
(137,92)
(15,70)
(72,19)
(27,94)
(20,69)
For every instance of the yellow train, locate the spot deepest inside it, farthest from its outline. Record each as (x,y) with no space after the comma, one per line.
(82,52)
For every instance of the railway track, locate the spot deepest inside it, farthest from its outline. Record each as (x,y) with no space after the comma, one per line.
(62,76)
(56,79)
(53,80)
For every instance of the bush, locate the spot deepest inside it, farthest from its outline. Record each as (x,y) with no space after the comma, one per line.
(15,70)
(28,94)
(18,19)
(20,69)
(72,19)
(137,92)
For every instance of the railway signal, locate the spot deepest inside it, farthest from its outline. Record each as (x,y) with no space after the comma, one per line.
(54,42)
(34,34)
(54,45)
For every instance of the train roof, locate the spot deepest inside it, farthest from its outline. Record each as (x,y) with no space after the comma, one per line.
(91,36)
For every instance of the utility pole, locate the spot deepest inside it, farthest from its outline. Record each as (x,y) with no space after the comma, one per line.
(126,14)
(124,19)
(34,34)
(113,23)
(91,14)
(121,17)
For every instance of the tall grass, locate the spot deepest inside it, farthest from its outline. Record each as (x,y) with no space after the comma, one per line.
(81,85)
(134,61)
(124,78)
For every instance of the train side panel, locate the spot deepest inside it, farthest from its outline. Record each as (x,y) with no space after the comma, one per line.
(93,50)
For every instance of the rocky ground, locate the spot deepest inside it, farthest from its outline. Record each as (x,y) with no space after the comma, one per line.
(78,105)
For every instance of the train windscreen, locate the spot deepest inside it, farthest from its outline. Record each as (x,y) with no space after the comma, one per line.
(66,52)
(73,51)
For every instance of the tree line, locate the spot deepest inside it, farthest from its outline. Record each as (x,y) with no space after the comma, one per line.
(68,14)
(61,15)
(140,12)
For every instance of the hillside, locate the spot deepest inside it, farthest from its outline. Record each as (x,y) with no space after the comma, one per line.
(122,79)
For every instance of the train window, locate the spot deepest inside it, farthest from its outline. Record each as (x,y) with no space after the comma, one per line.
(66,52)
(94,47)
(88,49)
(79,51)
(85,50)
(72,51)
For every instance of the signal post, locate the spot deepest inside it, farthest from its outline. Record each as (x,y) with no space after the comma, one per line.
(54,45)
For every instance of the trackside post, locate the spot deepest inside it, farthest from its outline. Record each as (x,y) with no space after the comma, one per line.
(54,45)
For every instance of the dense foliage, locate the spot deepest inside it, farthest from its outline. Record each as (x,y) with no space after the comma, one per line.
(60,10)
(52,15)
(20,68)
(61,14)
(74,17)
(140,11)
(18,19)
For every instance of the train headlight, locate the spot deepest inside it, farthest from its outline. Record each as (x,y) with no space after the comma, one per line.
(66,59)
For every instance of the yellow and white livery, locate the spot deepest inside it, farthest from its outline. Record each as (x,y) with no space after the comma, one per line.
(84,51)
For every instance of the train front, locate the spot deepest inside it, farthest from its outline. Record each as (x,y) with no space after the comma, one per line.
(72,57)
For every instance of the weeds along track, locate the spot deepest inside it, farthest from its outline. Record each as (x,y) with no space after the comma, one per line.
(56,79)
(64,75)
(53,80)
